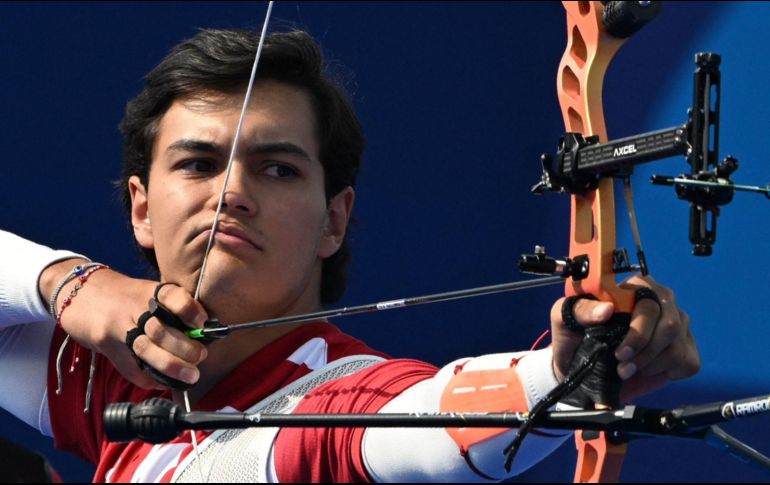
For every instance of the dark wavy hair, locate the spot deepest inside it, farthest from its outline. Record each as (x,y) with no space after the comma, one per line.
(221,60)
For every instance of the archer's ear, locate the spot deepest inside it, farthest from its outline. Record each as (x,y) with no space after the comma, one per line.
(140,216)
(337,217)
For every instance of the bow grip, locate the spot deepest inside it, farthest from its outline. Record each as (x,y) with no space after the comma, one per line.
(602,385)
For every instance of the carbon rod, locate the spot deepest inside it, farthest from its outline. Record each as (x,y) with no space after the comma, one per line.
(221,331)
(719,439)
(662,180)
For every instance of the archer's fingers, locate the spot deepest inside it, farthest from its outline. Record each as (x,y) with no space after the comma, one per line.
(645,320)
(182,304)
(672,328)
(174,341)
(678,361)
(651,324)
(591,312)
(163,361)
(128,369)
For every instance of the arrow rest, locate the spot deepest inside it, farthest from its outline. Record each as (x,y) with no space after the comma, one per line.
(576,268)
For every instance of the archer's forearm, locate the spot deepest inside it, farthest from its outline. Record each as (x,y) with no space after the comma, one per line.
(23,265)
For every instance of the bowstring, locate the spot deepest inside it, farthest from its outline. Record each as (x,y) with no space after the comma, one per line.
(214,225)
(233,151)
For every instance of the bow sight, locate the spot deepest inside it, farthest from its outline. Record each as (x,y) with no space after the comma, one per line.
(580,162)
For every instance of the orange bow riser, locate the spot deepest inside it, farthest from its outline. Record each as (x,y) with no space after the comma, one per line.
(580,78)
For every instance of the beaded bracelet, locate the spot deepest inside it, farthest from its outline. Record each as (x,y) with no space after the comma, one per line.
(82,278)
(81,272)
(74,273)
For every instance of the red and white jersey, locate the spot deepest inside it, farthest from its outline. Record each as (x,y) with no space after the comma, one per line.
(318,454)
(29,342)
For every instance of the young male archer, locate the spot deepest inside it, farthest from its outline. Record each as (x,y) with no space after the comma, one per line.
(280,250)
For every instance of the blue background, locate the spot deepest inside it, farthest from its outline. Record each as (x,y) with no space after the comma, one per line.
(458,102)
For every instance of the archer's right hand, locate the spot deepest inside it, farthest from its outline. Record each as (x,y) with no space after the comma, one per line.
(108,306)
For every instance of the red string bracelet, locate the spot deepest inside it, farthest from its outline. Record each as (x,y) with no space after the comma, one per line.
(68,300)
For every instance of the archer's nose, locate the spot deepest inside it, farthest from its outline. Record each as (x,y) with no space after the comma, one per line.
(238,203)
(239,196)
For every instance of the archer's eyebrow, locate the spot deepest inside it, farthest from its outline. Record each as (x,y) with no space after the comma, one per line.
(193,145)
(278,147)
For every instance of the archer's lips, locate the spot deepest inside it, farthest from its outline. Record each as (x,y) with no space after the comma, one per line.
(233,237)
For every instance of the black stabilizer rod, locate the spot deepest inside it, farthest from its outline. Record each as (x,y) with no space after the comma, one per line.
(681,419)
(158,420)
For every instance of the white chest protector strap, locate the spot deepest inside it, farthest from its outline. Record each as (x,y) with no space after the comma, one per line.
(242,455)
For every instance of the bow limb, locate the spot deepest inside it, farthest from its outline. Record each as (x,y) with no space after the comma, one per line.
(592,229)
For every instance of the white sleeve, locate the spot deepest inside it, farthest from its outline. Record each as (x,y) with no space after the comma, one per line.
(429,454)
(21,263)
(24,372)
(24,348)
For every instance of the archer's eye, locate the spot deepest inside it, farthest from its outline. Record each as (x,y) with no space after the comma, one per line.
(280,170)
(198,165)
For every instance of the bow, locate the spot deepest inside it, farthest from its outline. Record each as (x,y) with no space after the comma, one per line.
(586,61)
(371,215)
(581,118)
(585,166)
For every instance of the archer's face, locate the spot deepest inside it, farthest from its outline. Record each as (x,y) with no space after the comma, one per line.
(275,228)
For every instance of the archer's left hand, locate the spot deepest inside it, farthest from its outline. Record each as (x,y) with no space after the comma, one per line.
(658,347)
